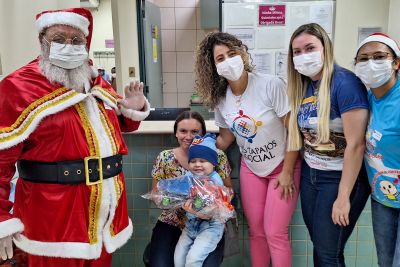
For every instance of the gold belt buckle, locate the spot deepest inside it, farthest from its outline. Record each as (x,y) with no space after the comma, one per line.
(88,171)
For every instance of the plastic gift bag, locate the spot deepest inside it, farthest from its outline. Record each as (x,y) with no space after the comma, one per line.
(205,196)
(170,193)
(164,200)
(211,200)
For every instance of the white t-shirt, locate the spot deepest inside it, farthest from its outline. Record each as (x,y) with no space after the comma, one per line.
(253,118)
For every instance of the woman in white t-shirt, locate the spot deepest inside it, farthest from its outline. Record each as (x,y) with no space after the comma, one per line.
(253,109)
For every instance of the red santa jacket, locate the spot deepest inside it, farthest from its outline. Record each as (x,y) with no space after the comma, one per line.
(40,121)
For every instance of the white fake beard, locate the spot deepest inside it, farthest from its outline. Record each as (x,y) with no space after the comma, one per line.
(77,79)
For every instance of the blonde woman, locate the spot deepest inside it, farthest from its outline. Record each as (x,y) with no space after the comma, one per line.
(329,118)
(253,108)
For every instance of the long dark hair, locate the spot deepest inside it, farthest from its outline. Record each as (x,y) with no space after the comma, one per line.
(190,115)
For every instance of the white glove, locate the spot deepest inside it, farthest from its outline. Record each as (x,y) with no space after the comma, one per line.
(6,247)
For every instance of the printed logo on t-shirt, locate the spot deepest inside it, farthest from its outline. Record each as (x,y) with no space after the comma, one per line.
(261,153)
(386,187)
(308,121)
(245,126)
(385,181)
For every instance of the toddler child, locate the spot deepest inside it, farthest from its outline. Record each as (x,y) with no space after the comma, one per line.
(200,236)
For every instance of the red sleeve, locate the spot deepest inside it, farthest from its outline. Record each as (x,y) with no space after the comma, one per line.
(127,125)
(8,158)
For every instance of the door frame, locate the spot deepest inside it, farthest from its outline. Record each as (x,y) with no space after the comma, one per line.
(140,14)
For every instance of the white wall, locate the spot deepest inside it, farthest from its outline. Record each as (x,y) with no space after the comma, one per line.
(352,14)
(19,45)
(102,30)
(19,39)
(125,40)
(393,28)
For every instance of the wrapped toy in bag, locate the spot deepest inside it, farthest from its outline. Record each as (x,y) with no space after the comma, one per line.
(211,200)
(171,193)
(206,197)
(201,188)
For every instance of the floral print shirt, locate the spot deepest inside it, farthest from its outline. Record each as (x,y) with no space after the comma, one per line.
(166,166)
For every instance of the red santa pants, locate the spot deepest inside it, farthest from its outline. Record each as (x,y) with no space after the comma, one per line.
(40,261)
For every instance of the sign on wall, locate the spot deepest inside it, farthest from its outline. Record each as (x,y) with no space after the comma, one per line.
(266,27)
(271,15)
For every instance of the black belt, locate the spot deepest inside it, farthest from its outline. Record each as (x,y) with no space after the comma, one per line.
(71,172)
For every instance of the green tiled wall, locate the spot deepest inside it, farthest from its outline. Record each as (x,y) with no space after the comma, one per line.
(360,250)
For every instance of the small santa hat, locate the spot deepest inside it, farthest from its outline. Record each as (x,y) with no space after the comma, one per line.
(382,38)
(79,18)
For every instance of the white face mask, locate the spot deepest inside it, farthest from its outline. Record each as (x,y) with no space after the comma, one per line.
(231,69)
(309,64)
(374,73)
(67,56)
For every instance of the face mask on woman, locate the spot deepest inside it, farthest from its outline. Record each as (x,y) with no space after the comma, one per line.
(231,69)
(309,64)
(67,56)
(374,73)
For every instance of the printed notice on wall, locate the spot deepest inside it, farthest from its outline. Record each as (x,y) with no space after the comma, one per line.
(322,14)
(281,64)
(270,38)
(245,35)
(299,15)
(272,15)
(240,15)
(262,62)
(364,32)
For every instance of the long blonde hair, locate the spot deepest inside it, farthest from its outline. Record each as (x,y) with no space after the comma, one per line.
(209,85)
(297,86)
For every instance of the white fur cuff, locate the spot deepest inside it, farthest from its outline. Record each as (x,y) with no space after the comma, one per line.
(11,227)
(136,115)
(113,243)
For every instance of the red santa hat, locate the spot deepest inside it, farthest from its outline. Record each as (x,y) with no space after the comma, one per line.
(79,18)
(382,38)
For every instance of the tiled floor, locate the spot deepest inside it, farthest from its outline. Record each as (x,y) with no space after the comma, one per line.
(360,250)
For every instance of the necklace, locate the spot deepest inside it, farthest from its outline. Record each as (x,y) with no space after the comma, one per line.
(315,87)
(238,99)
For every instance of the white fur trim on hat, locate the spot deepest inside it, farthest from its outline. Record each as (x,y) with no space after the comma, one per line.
(382,39)
(63,18)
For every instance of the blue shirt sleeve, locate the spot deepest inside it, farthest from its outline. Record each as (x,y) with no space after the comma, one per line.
(348,92)
(216,178)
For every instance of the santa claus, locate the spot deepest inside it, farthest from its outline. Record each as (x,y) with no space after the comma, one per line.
(61,123)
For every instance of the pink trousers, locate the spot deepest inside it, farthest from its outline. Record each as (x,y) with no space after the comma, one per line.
(268,216)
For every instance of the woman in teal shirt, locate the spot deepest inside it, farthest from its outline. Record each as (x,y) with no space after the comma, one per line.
(377,65)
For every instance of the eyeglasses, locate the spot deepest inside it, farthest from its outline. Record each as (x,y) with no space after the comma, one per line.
(375,56)
(63,40)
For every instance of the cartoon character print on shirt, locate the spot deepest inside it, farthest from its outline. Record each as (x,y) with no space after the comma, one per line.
(245,126)
(389,189)
(386,187)
(386,182)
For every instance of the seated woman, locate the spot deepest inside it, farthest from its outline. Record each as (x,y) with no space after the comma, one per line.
(173,163)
